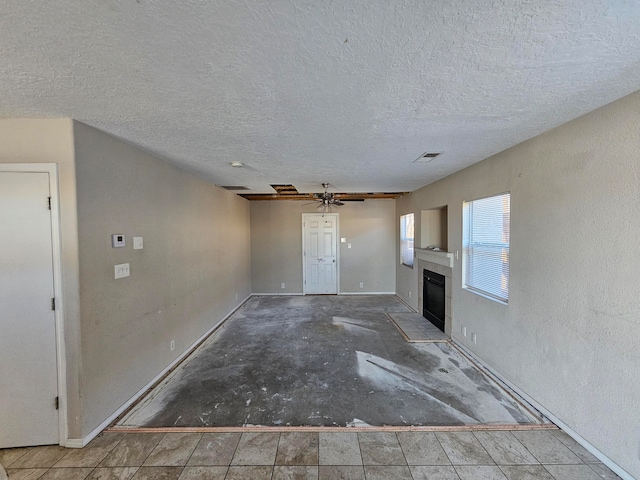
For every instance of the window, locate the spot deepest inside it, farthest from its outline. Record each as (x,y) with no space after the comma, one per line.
(406,239)
(485,246)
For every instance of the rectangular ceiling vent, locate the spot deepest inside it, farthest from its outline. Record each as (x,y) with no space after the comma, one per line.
(426,157)
(234,187)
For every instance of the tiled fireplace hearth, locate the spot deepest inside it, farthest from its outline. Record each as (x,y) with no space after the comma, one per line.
(438,262)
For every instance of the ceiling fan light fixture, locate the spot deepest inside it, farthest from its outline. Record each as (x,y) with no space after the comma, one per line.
(327,200)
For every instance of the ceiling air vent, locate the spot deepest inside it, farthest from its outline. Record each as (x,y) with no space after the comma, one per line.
(426,157)
(234,187)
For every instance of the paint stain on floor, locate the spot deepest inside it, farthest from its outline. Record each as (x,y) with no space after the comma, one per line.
(323,361)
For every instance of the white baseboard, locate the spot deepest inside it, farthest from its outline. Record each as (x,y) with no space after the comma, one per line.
(339,293)
(275,294)
(82,442)
(77,442)
(590,448)
(405,303)
(367,293)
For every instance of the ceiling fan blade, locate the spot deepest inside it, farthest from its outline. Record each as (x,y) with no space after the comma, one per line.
(337,203)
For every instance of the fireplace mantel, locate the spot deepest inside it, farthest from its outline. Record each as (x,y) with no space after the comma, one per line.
(441,258)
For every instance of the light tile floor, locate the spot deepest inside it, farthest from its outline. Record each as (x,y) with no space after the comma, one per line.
(375,455)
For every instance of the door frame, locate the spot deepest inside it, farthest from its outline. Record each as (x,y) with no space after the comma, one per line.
(304,246)
(56,251)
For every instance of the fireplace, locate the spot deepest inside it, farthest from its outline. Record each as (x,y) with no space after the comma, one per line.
(433,295)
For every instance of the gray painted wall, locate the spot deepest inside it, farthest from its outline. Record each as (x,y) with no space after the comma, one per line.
(194,268)
(276,246)
(569,337)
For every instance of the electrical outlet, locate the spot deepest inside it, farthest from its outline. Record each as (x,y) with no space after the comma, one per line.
(464,331)
(409,293)
(121,270)
(474,338)
(361,284)
(172,345)
(282,285)
(236,296)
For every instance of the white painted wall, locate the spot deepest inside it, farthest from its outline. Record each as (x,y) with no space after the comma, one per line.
(276,246)
(569,337)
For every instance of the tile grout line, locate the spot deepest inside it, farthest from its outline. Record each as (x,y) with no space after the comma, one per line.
(192,452)
(364,471)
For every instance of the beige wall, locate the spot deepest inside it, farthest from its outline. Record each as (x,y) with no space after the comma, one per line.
(276,246)
(569,337)
(194,268)
(433,231)
(26,140)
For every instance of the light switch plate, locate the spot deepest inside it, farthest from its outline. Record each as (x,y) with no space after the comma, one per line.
(117,240)
(121,270)
(137,243)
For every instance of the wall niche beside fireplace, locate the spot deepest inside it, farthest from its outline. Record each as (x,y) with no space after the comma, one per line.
(433,228)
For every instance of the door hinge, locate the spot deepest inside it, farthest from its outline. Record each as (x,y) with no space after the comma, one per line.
(57,403)
(49,200)
(53,303)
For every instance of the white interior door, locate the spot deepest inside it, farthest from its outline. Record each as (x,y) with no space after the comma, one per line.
(28,366)
(320,233)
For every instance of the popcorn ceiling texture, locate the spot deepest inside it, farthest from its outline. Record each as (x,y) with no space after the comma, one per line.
(304,92)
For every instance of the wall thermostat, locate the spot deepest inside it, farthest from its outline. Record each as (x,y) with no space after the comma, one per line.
(117,240)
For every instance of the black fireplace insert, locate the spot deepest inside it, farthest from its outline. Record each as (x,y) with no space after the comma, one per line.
(433,298)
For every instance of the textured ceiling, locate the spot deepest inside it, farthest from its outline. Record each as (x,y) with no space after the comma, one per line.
(310,91)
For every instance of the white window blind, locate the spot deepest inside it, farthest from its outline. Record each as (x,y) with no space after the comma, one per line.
(406,239)
(486,246)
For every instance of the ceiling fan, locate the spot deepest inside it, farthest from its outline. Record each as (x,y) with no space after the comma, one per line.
(326,199)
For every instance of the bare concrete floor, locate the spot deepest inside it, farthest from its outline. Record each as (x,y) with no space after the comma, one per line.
(323,361)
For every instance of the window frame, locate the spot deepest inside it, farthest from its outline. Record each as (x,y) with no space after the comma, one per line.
(407,245)
(498,292)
